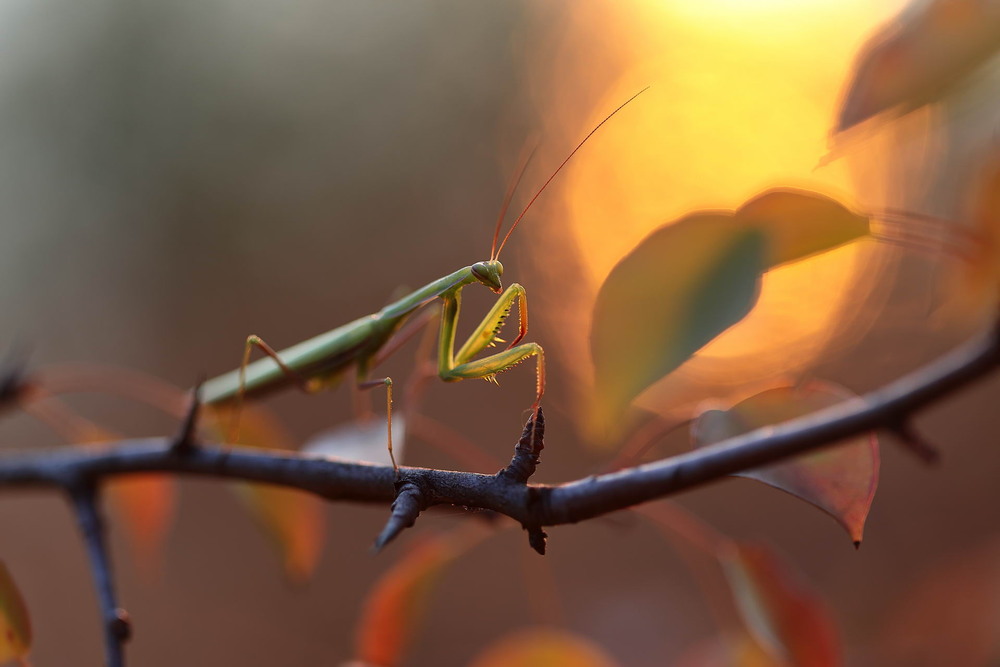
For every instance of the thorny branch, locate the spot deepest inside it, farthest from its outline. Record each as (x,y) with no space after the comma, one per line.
(80,470)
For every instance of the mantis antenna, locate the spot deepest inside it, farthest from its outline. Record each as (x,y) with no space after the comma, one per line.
(495,253)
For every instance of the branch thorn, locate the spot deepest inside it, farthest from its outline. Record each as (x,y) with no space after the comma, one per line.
(913,442)
(188,434)
(527,450)
(406,508)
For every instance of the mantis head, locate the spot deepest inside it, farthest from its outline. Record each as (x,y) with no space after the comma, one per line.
(488,273)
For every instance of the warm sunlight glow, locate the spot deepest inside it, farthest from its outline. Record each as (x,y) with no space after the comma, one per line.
(742,98)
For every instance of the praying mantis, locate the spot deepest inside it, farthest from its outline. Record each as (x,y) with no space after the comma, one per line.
(321,361)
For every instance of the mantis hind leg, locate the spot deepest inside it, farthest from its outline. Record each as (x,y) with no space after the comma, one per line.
(254,341)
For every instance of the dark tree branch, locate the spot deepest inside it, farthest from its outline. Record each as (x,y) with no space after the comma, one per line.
(80,470)
(531,505)
(114,619)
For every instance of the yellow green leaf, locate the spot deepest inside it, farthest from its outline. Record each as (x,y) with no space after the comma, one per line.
(681,287)
(840,479)
(543,647)
(799,223)
(15,626)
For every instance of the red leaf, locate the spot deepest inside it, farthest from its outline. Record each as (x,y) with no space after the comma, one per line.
(789,620)
(840,479)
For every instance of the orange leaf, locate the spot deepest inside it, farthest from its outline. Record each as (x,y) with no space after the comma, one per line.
(789,620)
(146,505)
(394,606)
(840,479)
(15,626)
(294,520)
(543,647)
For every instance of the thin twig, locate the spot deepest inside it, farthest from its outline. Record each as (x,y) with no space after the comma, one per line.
(114,619)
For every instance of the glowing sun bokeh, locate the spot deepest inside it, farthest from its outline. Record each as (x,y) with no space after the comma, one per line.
(742,98)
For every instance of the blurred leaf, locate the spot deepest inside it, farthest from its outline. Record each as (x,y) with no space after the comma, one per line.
(681,287)
(799,223)
(543,647)
(692,279)
(15,626)
(919,57)
(729,651)
(949,616)
(394,606)
(146,504)
(294,520)
(789,621)
(363,441)
(840,480)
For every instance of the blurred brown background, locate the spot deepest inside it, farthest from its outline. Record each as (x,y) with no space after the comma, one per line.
(175,176)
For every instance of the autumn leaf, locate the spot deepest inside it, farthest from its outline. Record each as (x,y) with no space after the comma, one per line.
(294,520)
(840,480)
(15,626)
(146,504)
(394,607)
(543,647)
(919,57)
(788,620)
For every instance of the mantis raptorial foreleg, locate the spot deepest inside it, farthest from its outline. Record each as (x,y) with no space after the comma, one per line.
(460,365)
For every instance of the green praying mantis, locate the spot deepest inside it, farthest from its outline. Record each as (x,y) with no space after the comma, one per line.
(320,362)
